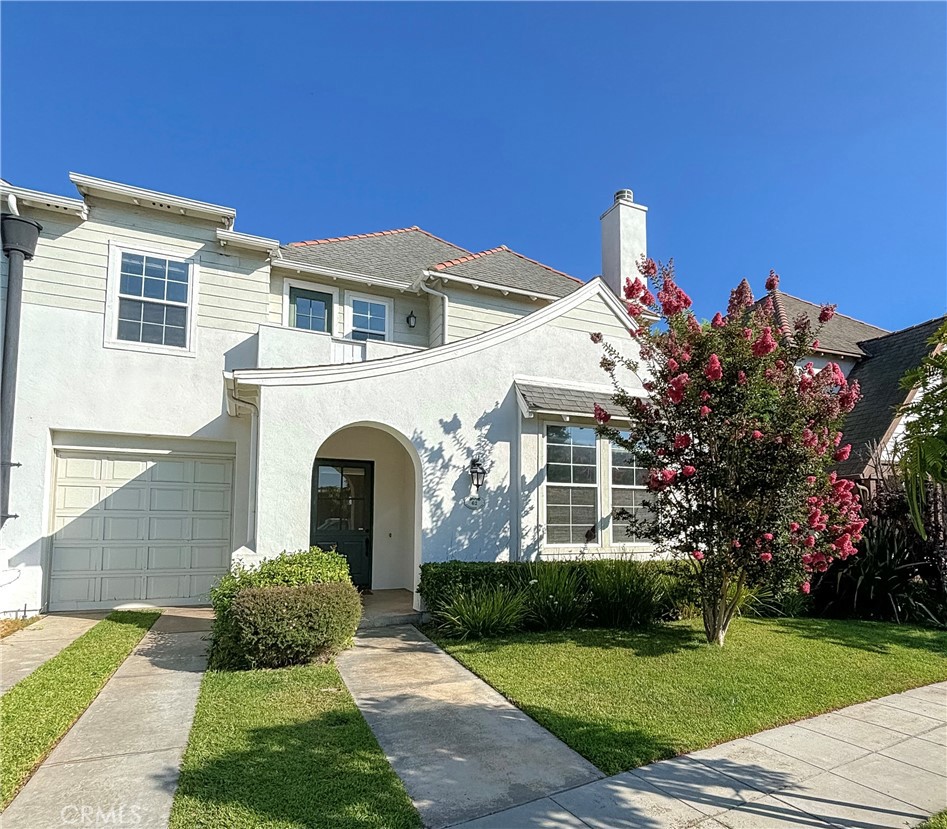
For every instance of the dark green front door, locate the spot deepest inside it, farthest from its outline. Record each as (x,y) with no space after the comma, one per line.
(342,513)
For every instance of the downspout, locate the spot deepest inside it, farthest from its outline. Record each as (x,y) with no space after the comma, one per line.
(254,454)
(19,244)
(422,284)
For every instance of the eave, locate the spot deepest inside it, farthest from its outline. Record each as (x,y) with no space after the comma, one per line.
(45,201)
(447,276)
(248,242)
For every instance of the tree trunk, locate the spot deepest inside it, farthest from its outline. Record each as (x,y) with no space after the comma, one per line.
(717,616)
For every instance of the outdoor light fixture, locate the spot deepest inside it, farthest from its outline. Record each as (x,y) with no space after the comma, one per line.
(477,473)
(412,320)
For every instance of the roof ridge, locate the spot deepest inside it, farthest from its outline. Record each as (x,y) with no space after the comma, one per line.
(782,316)
(941,319)
(817,305)
(449,263)
(371,235)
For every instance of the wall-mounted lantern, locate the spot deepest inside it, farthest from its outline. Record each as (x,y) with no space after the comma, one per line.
(477,473)
(412,320)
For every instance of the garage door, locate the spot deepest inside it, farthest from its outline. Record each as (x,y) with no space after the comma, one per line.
(130,528)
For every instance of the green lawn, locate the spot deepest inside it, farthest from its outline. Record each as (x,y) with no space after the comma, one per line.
(282,749)
(37,711)
(938,821)
(623,699)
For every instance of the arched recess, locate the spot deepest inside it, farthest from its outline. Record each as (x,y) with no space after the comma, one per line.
(396,506)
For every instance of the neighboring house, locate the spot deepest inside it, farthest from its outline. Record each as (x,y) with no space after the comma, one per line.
(877,360)
(189,396)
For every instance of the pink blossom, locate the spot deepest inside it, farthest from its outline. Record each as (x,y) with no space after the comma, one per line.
(809,541)
(741,377)
(740,298)
(698,555)
(718,321)
(682,441)
(757,434)
(843,452)
(685,356)
(713,370)
(764,344)
(772,283)
(764,557)
(647,298)
(669,476)
(687,471)
(767,536)
(673,299)
(736,544)
(827,312)
(705,410)
(805,587)
(815,343)
(810,479)
(648,268)
(601,415)
(673,365)
(634,309)
(794,527)
(635,289)
(597,337)
(747,333)
(677,386)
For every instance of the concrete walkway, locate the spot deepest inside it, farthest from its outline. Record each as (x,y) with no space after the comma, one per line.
(119,763)
(23,652)
(877,764)
(461,749)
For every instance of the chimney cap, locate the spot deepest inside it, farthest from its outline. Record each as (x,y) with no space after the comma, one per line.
(624,195)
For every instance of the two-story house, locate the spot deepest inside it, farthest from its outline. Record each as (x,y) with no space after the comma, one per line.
(188,396)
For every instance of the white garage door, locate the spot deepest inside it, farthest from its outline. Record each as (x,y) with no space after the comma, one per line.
(137,529)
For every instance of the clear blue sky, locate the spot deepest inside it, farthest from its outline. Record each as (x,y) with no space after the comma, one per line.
(806,137)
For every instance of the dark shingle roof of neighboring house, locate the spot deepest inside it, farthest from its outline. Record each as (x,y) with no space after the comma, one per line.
(507,268)
(402,255)
(840,335)
(545,398)
(879,374)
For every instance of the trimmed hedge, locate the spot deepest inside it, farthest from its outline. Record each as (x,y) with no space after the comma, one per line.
(312,566)
(275,627)
(617,592)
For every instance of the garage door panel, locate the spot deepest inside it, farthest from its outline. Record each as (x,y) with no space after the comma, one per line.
(123,558)
(210,558)
(79,559)
(132,529)
(126,498)
(121,589)
(78,528)
(171,499)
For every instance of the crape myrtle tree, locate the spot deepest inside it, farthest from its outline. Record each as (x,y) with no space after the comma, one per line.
(738,442)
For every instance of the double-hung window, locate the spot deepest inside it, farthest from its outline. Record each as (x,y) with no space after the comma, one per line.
(154,300)
(310,310)
(629,492)
(370,319)
(571,485)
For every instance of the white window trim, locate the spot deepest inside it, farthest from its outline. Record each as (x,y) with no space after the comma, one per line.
(317,287)
(113,285)
(600,528)
(378,300)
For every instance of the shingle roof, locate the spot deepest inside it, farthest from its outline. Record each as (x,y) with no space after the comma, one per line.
(546,398)
(840,335)
(400,255)
(403,254)
(879,375)
(507,268)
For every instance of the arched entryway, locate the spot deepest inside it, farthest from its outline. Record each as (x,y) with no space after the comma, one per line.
(366,502)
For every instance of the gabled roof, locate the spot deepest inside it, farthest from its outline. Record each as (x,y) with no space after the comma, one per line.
(840,335)
(879,374)
(403,255)
(507,268)
(399,255)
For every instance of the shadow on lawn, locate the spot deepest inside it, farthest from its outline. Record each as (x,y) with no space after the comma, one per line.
(876,637)
(318,773)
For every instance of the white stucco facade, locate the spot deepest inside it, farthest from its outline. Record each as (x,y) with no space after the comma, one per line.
(152,470)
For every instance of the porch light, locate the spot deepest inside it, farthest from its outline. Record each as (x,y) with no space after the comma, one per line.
(477,473)
(412,320)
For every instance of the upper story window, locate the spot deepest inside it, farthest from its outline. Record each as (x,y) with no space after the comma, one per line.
(571,485)
(311,310)
(370,318)
(629,492)
(150,301)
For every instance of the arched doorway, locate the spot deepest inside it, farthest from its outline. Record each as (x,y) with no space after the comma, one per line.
(366,503)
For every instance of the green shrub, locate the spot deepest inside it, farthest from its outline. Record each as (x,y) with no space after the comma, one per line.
(312,566)
(441,580)
(626,593)
(490,610)
(556,596)
(275,627)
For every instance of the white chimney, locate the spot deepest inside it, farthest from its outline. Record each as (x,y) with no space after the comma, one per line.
(624,241)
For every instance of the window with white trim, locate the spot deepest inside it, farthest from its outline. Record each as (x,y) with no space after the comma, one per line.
(629,492)
(310,310)
(571,485)
(154,296)
(370,320)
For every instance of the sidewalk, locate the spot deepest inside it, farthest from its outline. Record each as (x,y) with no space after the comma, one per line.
(878,764)
(119,763)
(23,652)
(461,749)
